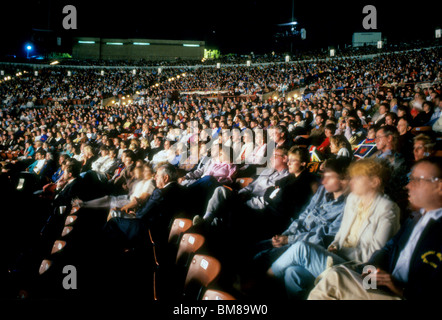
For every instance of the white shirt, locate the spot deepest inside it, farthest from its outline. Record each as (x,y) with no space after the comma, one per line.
(143,186)
(402,268)
(99,162)
(39,166)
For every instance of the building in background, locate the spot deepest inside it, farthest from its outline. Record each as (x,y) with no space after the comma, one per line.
(136,49)
(361,39)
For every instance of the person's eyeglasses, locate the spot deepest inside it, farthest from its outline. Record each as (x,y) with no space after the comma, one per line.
(422,178)
(278,155)
(379,137)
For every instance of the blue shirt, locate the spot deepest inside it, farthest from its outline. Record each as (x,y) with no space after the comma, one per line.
(31,151)
(320,221)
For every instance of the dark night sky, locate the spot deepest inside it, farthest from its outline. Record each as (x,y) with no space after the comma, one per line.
(230,25)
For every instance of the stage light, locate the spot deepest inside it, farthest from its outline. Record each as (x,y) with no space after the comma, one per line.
(28,49)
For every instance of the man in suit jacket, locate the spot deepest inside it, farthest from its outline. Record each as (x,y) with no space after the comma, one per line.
(65,193)
(166,201)
(73,187)
(409,265)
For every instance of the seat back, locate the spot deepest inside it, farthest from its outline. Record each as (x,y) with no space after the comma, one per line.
(70,219)
(58,246)
(203,269)
(212,294)
(179,226)
(66,231)
(190,243)
(417,130)
(45,265)
(244,182)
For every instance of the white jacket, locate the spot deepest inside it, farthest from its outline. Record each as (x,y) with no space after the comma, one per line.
(381,225)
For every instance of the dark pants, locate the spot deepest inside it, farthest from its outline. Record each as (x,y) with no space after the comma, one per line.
(202,191)
(123,233)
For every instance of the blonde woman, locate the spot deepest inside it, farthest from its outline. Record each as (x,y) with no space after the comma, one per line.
(88,158)
(340,147)
(370,219)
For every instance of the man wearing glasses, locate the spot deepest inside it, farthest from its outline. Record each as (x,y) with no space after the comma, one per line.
(250,197)
(386,144)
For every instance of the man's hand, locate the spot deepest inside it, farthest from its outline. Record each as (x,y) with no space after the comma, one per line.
(278,241)
(384,279)
(332,248)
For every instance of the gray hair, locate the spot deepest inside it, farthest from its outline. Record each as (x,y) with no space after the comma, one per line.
(169,170)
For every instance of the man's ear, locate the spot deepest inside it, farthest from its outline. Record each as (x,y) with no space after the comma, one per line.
(439,188)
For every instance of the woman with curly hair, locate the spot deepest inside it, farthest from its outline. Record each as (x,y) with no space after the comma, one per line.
(340,147)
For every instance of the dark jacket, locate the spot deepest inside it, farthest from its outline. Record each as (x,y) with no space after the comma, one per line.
(156,215)
(72,190)
(425,274)
(161,207)
(294,194)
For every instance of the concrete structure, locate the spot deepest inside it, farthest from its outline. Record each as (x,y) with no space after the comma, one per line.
(136,49)
(361,39)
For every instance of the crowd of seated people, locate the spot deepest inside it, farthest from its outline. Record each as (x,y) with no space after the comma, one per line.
(302,212)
